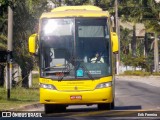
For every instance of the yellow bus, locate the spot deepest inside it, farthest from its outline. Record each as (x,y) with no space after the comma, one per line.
(75,46)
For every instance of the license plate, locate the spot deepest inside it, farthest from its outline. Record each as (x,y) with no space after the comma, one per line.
(76,97)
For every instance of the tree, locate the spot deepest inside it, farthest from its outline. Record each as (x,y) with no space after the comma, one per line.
(3,36)
(3,47)
(144,11)
(26,14)
(125,40)
(76,2)
(151,17)
(131,11)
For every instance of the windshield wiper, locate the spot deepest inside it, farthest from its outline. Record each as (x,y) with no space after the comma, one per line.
(67,69)
(67,66)
(79,64)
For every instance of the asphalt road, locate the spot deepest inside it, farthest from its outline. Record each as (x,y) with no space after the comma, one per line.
(132,98)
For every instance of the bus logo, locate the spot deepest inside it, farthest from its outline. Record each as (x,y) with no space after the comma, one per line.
(76,88)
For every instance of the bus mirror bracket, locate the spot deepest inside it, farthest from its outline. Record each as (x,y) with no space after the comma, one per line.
(114,40)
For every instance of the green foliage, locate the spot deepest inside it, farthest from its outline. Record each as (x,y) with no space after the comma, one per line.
(156,74)
(3,24)
(27,13)
(140,73)
(76,2)
(139,61)
(3,7)
(126,59)
(3,42)
(145,11)
(70,2)
(125,40)
(19,96)
(26,18)
(141,11)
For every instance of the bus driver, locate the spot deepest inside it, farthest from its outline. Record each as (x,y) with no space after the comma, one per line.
(97,59)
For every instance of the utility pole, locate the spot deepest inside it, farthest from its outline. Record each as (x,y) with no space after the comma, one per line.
(9,49)
(117,31)
(156,56)
(156,53)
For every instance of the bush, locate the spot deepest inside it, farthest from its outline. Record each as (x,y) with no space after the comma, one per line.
(137,73)
(139,61)
(156,74)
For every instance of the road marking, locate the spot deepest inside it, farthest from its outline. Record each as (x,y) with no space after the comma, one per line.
(110,113)
(102,112)
(89,114)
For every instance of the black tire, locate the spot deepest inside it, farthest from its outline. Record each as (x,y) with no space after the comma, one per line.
(50,108)
(61,108)
(112,105)
(104,106)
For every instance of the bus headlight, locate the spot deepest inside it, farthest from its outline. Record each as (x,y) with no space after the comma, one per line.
(104,85)
(47,86)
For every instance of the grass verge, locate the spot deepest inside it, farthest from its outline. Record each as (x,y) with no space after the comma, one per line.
(19,96)
(140,73)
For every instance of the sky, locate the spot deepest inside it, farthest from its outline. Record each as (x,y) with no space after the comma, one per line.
(157,0)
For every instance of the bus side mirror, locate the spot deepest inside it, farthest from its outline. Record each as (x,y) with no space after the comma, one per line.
(32,42)
(114,39)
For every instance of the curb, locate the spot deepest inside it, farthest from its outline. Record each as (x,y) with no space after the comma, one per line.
(131,76)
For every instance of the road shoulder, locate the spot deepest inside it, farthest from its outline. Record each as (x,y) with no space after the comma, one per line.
(150,80)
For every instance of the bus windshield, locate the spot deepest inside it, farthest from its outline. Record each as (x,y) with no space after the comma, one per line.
(75,48)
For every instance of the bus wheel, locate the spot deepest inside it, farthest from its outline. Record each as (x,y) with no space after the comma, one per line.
(106,106)
(60,108)
(49,108)
(112,105)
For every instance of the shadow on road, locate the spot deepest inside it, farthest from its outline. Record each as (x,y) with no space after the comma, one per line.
(138,107)
(94,111)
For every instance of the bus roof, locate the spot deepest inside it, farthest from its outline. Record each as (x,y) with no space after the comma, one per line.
(76,11)
(83,7)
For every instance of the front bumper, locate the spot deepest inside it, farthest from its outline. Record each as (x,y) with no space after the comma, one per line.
(104,95)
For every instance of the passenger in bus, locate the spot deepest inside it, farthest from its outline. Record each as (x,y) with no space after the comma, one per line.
(97,59)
